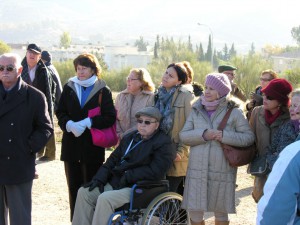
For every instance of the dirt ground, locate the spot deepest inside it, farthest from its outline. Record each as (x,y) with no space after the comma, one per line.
(50,199)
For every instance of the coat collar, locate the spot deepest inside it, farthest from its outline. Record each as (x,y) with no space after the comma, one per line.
(15,99)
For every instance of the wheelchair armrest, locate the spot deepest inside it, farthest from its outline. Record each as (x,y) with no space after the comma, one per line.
(152,183)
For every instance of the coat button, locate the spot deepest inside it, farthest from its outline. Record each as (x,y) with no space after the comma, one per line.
(8,158)
(12,124)
(9,140)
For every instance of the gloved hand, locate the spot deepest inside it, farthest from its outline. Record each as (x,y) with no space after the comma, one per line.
(123,181)
(86,122)
(257,98)
(93,184)
(76,128)
(118,171)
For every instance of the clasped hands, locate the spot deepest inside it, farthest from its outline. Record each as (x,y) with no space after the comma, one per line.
(77,128)
(211,134)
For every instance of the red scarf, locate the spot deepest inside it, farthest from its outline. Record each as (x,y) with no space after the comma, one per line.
(270,118)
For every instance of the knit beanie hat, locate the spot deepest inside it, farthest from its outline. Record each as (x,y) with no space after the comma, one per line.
(219,82)
(279,89)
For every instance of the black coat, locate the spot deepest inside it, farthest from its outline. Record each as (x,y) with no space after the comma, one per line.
(25,129)
(82,148)
(149,160)
(43,81)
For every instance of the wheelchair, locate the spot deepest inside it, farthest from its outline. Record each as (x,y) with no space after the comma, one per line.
(151,203)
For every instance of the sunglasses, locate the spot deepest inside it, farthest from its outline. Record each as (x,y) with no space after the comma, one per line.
(268,97)
(146,122)
(9,68)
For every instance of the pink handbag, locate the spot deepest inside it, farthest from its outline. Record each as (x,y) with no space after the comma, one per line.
(106,137)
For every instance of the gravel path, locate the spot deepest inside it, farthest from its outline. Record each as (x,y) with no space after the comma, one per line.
(50,198)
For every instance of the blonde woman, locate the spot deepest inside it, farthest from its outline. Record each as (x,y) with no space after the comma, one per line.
(138,94)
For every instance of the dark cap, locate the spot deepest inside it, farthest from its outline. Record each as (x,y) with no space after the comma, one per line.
(35,48)
(149,111)
(46,56)
(223,68)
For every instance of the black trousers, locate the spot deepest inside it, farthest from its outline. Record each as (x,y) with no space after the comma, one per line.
(77,174)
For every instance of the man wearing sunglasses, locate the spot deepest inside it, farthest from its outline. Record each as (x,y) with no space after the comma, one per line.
(35,73)
(25,129)
(145,154)
(230,72)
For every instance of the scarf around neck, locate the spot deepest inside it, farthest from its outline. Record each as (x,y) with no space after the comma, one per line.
(82,83)
(270,118)
(210,106)
(164,105)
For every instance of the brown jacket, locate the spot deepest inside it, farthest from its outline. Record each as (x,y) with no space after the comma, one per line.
(182,103)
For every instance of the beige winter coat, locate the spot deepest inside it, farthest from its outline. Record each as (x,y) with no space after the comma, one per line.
(182,103)
(210,180)
(127,106)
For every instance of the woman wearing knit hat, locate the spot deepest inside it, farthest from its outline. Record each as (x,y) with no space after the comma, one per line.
(174,100)
(210,180)
(265,121)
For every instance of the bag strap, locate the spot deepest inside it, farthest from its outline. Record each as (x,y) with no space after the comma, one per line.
(225,119)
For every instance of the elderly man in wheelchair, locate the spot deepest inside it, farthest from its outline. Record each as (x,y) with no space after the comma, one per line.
(145,154)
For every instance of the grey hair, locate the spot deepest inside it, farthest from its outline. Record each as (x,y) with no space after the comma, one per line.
(15,56)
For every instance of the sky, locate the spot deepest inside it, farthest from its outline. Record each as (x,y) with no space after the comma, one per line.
(120,21)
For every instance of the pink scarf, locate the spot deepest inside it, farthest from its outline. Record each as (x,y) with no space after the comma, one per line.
(210,106)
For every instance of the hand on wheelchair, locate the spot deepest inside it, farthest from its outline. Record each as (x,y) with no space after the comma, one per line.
(93,184)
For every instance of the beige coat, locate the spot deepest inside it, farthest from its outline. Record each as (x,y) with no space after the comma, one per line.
(210,180)
(127,106)
(182,103)
(263,135)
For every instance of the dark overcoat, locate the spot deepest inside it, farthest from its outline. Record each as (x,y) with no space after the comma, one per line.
(25,129)
(81,148)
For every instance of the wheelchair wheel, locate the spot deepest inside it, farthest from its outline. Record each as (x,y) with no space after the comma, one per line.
(165,209)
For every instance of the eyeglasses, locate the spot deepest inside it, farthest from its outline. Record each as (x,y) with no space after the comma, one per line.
(9,68)
(268,97)
(146,122)
(229,73)
(131,79)
(264,79)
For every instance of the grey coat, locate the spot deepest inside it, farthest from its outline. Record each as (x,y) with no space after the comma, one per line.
(210,180)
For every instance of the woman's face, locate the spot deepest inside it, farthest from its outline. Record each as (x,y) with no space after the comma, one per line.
(265,79)
(147,126)
(170,78)
(134,85)
(210,94)
(270,104)
(83,72)
(295,108)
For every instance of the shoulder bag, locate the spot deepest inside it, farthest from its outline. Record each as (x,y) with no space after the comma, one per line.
(236,156)
(106,137)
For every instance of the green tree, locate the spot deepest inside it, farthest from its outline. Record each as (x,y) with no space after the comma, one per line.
(232,51)
(226,55)
(209,50)
(155,50)
(141,44)
(65,69)
(252,49)
(190,45)
(65,40)
(4,48)
(296,34)
(102,63)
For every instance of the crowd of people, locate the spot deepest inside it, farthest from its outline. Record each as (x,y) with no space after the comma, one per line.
(169,132)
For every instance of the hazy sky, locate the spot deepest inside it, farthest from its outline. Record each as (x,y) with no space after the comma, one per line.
(238,21)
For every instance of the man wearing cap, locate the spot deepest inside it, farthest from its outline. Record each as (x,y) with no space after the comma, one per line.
(25,129)
(145,154)
(230,72)
(35,73)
